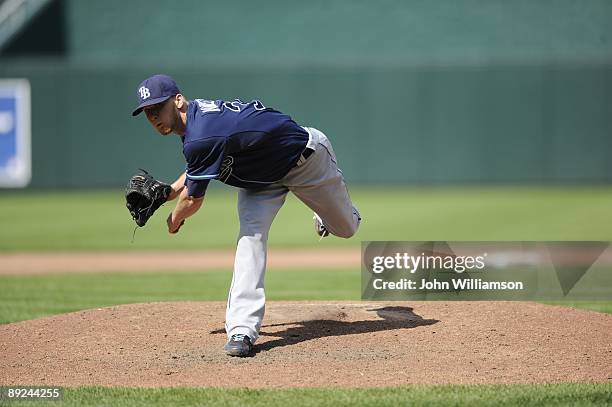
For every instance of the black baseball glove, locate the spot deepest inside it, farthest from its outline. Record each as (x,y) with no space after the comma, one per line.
(144,195)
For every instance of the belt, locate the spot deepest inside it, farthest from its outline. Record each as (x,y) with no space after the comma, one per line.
(305,154)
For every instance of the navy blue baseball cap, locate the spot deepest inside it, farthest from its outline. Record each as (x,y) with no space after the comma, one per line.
(153,90)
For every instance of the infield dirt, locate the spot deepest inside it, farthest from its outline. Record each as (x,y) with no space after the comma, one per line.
(303,344)
(21,263)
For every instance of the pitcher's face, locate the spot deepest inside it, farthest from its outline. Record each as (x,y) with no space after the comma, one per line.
(162,116)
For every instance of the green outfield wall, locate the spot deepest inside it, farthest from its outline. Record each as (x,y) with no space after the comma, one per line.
(412,92)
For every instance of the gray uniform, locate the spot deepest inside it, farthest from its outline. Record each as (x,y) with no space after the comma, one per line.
(317,181)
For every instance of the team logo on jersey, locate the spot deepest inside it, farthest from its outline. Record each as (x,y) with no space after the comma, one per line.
(226,168)
(144,92)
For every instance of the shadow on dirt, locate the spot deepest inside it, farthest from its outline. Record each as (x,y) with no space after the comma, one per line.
(392,318)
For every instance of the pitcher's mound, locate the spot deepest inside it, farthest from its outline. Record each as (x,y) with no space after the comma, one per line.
(312,344)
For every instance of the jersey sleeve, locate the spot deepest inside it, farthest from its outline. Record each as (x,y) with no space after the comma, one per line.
(196,189)
(204,158)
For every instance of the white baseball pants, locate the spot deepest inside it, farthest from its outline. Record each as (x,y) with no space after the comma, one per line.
(319,184)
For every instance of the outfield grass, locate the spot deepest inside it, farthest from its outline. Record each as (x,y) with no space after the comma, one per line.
(27,297)
(561,394)
(98,220)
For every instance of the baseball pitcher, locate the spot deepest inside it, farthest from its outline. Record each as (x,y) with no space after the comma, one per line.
(265,154)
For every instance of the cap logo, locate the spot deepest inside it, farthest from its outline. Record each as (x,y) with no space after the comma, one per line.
(144,92)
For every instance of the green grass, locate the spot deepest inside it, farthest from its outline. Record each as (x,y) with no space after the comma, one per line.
(561,394)
(98,220)
(599,306)
(27,297)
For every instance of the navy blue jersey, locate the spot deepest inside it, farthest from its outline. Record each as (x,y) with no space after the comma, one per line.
(246,145)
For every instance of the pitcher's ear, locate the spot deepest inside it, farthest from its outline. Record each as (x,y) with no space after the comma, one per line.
(180,101)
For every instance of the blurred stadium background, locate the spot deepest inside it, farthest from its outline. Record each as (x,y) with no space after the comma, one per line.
(411,92)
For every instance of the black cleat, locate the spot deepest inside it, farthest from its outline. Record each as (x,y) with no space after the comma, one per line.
(320,228)
(239,345)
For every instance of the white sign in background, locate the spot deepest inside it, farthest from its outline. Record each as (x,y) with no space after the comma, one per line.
(15,128)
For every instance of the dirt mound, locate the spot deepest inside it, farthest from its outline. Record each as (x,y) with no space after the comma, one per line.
(312,344)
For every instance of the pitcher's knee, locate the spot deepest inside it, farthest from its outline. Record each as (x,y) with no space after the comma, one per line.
(347,231)
(346,234)
(350,226)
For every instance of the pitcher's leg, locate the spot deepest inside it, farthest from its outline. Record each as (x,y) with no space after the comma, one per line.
(332,203)
(320,185)
(246,300)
